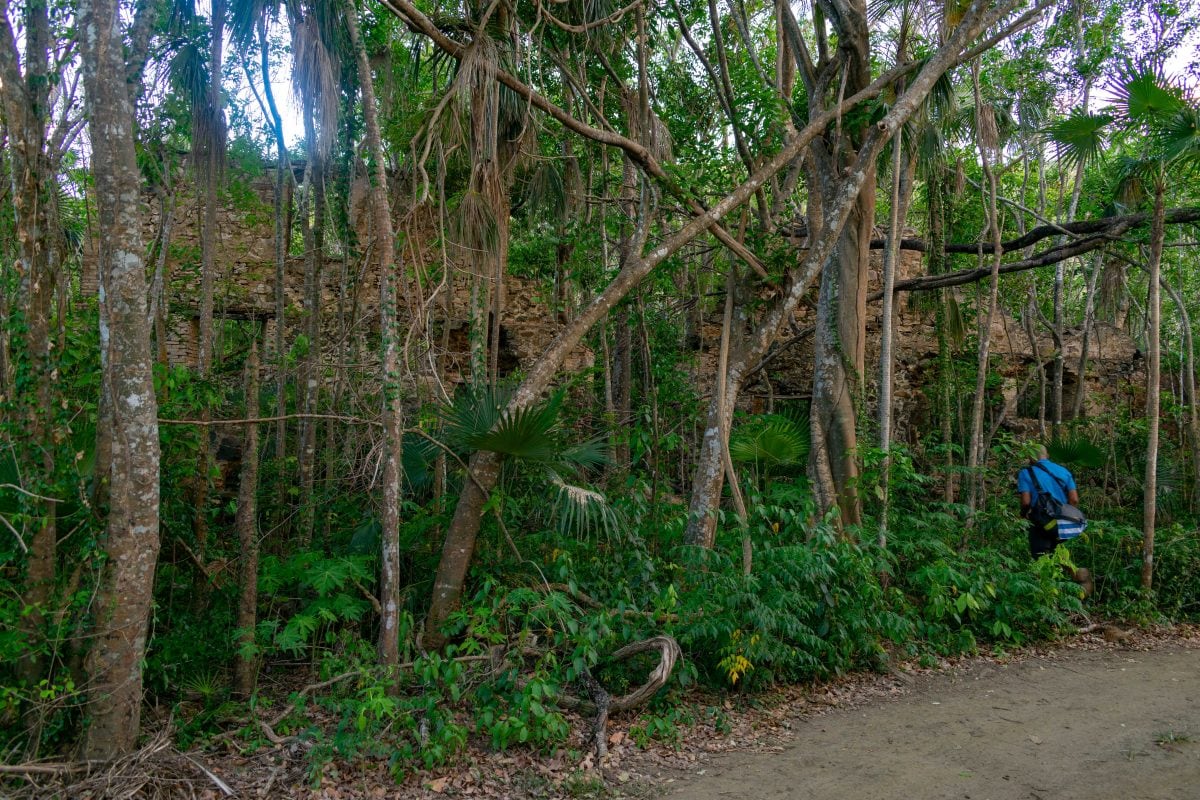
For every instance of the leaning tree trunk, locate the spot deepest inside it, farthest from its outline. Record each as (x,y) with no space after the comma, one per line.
(131,542)
(393,419)
(461,535)
(1153,369)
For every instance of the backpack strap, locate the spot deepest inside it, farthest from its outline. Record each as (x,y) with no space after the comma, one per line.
(1057,480)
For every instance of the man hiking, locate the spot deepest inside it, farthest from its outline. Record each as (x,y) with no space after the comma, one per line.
(1043,476)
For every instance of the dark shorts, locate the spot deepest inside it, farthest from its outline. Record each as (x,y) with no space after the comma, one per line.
(1041,542)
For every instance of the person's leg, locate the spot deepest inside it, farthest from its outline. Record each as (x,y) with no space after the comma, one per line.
(1080,575)
(1083,577)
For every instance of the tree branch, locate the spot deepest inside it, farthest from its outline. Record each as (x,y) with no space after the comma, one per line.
(1104,226)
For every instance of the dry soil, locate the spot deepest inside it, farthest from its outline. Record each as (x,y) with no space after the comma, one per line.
(1112,724)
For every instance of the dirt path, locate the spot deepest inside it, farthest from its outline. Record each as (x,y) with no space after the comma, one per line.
(1112,724)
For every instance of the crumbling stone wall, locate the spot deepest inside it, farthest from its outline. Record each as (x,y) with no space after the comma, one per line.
(244,287)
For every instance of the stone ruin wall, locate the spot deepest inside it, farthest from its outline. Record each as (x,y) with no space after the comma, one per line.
(245,289)
(1115,372)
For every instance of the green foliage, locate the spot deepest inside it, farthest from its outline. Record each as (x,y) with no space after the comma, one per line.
(318,594)
(770,440)
(1076,451)
(1079,137)
(811,607)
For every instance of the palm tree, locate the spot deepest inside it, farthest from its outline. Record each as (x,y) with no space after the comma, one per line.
(1152,107)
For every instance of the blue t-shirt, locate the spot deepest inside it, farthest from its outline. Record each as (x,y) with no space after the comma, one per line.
(1044,483)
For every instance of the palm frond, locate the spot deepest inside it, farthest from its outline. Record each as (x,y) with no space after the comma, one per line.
(478,419)
(1134,177)
(956,328)
(583,512)
(590,454)
(417,457)
(526,433)
(770,440)
(1142,97)
(1178,138)
(316,75)
(473,412)
(1077,451)
(474,225)
(244,16)
(546,190)
(1078,138)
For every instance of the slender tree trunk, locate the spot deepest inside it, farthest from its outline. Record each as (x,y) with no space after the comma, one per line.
(210,174)
(283,183)
(393,410)
(712,462)
(1089,321)
(1153,376)
(887,330)
(945,382)
(1187,378)
(26,108)
(314,258)
(622,369)
(125,593)
(975,454)
(244,668)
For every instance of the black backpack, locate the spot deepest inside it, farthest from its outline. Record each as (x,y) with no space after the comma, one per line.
(1050,514)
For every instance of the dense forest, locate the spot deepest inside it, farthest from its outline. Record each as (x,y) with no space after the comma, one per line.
(399,378)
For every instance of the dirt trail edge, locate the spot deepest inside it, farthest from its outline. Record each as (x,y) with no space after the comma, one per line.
(1109,725)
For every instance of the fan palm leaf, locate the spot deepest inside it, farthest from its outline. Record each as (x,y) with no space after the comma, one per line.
(1077,451)
(770,440)
(1144,98)
(1079,138)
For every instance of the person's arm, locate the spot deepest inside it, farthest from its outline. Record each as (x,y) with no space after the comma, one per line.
(1072,492)
(1026,503)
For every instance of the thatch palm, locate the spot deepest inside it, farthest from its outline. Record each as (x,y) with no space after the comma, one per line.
(1148,105)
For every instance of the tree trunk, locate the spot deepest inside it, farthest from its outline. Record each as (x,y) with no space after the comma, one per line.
(26,108)
(212,155)
(244,668)
(1153,376)
(464,527)
(977,446)
(283,184)
(314,258)
(1089,321)
(1187,378)
(622,369)
(713,465)
(388,644)
(887,328)
(209,171)
(125,593)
